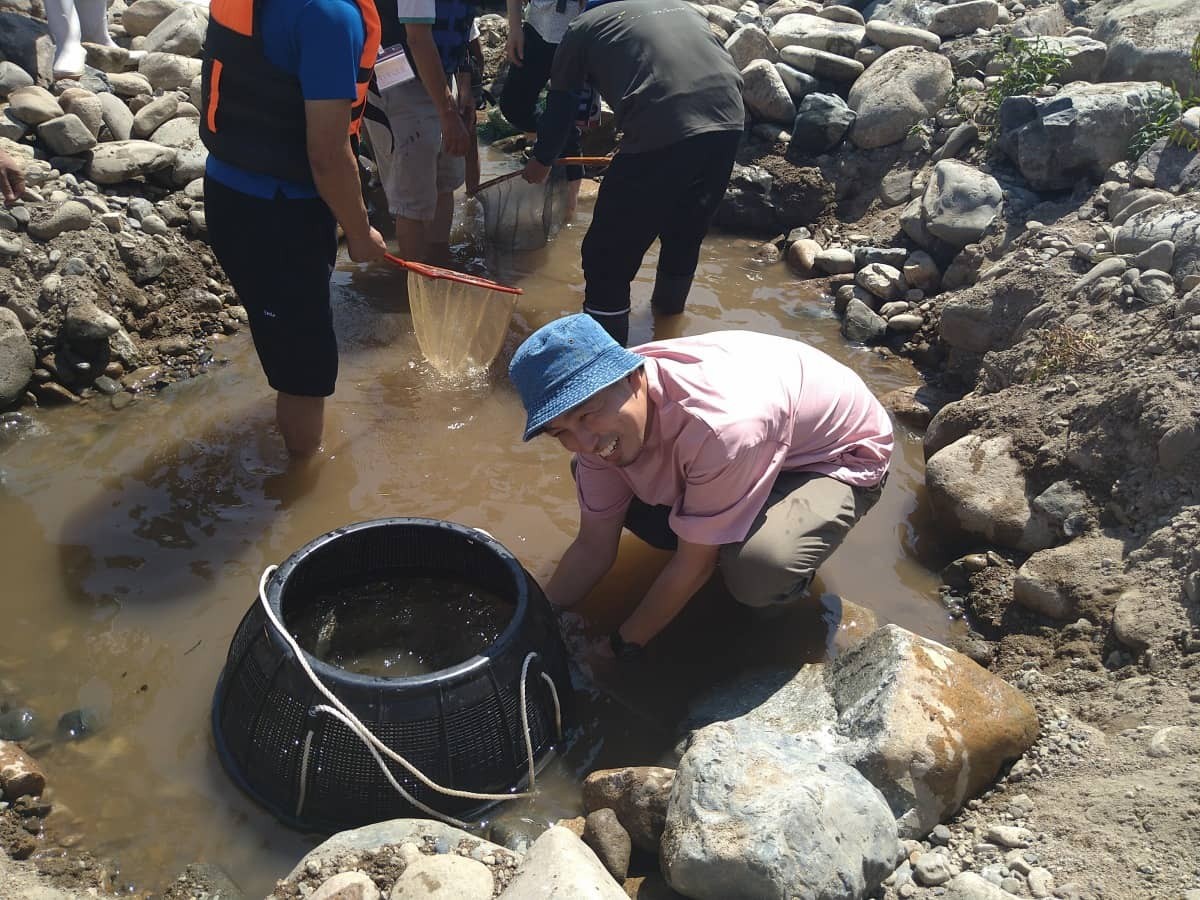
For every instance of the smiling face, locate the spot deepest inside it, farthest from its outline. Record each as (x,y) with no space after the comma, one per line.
(610,424)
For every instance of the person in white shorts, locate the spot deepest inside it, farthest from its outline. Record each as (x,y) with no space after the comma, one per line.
(416,118)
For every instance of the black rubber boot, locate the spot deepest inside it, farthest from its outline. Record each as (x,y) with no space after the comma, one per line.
(616,325)
(670,293)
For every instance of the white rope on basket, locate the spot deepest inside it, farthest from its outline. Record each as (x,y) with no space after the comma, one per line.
(339,711)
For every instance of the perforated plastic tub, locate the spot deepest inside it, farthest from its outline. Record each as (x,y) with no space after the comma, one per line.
(461,726)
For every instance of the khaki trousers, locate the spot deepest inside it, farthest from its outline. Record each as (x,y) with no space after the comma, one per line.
(806,517)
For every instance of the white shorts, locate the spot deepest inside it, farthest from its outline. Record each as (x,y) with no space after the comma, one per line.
(412,166)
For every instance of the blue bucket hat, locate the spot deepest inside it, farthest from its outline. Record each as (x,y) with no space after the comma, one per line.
(564,363)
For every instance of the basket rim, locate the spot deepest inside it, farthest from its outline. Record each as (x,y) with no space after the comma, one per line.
(443,677)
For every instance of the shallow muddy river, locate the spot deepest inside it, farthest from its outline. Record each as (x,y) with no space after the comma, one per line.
(131,544)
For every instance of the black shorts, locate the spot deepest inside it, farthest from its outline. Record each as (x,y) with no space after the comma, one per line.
(279,255)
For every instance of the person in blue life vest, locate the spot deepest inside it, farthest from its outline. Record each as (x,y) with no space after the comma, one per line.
(284,86)
(677,98)
(417,113)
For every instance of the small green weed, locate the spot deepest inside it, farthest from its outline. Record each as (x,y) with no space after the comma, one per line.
(1028,66)
(1165,111)
(1063,350)
(1165,108)
(495,126)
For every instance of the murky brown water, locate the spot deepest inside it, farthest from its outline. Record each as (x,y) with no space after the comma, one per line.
(131,545)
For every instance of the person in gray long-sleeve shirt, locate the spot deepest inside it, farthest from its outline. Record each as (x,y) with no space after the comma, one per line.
(676,94)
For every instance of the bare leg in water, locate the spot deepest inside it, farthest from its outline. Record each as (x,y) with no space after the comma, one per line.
(300,421)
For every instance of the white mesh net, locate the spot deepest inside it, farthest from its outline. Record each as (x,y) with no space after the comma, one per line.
(459,327)
(519,216)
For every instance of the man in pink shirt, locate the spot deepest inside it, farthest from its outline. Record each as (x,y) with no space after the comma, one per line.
(752,452)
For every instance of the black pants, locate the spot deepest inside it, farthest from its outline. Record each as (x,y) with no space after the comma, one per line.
(279,255)
(522,86)
(670,194)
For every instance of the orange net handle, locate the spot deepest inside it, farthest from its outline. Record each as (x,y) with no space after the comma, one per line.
(561,161)
(450,275)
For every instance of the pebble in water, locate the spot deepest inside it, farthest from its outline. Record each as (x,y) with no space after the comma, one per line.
(78,724)
(17,724)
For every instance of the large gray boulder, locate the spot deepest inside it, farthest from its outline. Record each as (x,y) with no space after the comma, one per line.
(116,116)
(181,134)
(977,484)
(153,114)
(964,18)
(33,105)
(900,89)
(1085,57)
(1078,133)
(66,135)
(12,77)
(119,161)
(1077,579)
(637,795)
(181,32)
(983,316)
(16,357)
(86,106)
(753,816)
(25,43)
(822,120)
(1044,21)
(1177,221)
(799,84)
(780,8)
(928,726)
(1149,40)
(749,43)
(168,71)
(747,203)
(821,64)
(143,16)
(766,95)
(559,866)
(915,13)
(390,833)
(818,33)
(960,203)
(889,36)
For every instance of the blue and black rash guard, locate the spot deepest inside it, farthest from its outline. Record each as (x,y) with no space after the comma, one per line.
(451,21)
(656,63)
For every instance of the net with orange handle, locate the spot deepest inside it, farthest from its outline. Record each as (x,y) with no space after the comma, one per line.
(460,320)
(519,216)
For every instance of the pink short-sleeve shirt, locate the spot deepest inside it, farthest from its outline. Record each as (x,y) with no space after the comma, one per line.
(729,411)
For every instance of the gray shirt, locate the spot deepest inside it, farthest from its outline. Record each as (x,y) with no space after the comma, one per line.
(659,67)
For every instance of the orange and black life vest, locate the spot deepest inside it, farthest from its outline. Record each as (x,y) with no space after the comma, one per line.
(252,111)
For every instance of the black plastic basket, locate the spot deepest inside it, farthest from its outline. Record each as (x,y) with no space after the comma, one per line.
(460,726)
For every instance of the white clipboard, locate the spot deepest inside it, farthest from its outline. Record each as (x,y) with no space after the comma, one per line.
(392,67)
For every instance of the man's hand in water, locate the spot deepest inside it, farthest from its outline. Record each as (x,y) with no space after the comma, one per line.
(535,172)
(12,179)
(573,629)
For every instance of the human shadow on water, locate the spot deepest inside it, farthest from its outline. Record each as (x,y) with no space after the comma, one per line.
(717,660)
(190,502)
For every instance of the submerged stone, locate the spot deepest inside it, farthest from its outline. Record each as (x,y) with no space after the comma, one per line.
(78,724)
(18,724)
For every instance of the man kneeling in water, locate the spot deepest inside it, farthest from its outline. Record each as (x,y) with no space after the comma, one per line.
(752,452)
